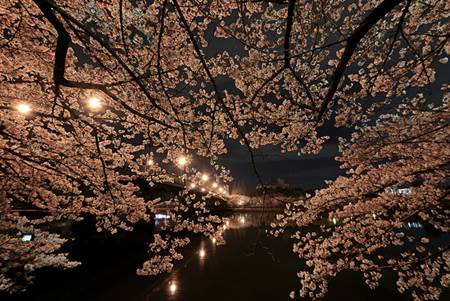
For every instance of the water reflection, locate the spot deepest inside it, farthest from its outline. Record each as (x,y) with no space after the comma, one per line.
(250,266)
(406,225)
(250,219)
(173,288)
(254,219)
(211,268)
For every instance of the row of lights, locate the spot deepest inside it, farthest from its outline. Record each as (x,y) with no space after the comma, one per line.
(94,103)
(214,185)
(173,287)
(182,162)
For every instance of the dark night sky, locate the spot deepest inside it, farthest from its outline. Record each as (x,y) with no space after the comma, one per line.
(304,171)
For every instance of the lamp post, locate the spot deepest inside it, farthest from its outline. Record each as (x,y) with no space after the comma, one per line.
(94,103)
(23,108)
(182,162)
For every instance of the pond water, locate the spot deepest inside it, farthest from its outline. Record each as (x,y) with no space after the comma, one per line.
(250,266)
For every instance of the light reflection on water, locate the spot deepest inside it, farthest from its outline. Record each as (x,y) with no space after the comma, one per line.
(201,257)
(250,266)
(236,221)
(405,225)
(172,287)
(202,253)
(239,269)
(250,219)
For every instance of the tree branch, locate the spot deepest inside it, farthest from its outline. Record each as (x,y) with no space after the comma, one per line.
(352,42)
(216,90)
(46,4)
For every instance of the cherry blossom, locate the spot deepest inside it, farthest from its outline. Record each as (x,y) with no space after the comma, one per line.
(92,91)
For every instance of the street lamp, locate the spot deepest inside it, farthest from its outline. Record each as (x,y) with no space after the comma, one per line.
(94,103)
(23,108)
(182,161)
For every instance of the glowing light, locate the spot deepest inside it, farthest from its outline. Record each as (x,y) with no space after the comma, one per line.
(214,240)
(203,189)
(214,185)
(202,253)
(150,162)
(227,223)
(192,185)
(205,177)
(162,216)
(374,216)
(242,220)
(334,220)
(401,191)
(24,108)
(94,103)
(220,189)
(173,288)
(182,161)
(27,237)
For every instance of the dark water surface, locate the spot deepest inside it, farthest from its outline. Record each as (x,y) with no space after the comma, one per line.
(251,266)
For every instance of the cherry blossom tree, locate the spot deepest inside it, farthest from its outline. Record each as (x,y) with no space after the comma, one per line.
(96,94)
(360,218)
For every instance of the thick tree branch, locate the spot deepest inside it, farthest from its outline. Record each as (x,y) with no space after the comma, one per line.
(62,44)
(352,42)
(48,5)
(287,46)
